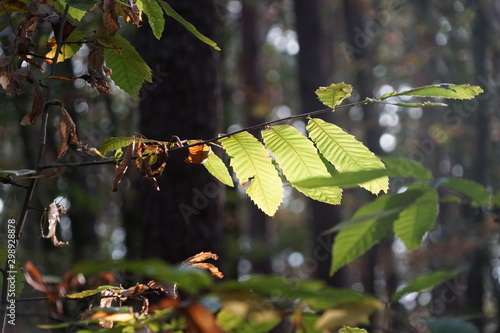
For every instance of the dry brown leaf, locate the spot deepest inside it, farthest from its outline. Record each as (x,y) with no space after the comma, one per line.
(53,219)
(123,165)
(202,256)
(15,5)
(95,67)
(109,17)
(67,129)
(210,267)
(198,154)
(203,320)
(37,107)
(132,12)
(34,277)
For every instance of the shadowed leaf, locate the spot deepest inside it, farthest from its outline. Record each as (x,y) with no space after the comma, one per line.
(422,283)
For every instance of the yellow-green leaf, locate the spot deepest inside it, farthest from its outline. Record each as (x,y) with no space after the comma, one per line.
(444,90)
(346,153)
(418,218)
(348,314)
(191,28)
(252,164)
(218,169)
(69,48)
(299,160)
(334,94)
(129,69)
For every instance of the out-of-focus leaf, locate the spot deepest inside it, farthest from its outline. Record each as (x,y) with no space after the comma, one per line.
(418,218)
(37,106)
(299,160)
(346,153)
(419,105)
(423,282)
(203,319)
(334,94)
(252,164)
(16,173)
(82,4)
(348,314)
(218,169)
(188,279)
(444,90)
(115,314)
(348,329)
(403,167)
(479,195)
(450,325)
(191,28)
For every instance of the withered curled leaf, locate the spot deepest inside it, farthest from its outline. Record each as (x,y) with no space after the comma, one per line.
(109,17)
(198,154)
(123,165)
(37,107)
(95,67)
(200,319)
(132,12)
(67,129)
(53,219)
(196,261)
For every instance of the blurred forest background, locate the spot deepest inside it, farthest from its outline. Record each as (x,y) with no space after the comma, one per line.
(275,54)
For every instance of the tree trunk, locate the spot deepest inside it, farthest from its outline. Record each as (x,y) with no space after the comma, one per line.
(185,216)
(312,74)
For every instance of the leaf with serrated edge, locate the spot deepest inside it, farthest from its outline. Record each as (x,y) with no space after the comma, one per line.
(415,220)
(155,16)
(113,144)
(334,94)
(191,28)
(423,282)
(444,90)
(346,153)
(129,69)
(252,163)
(353,241)
(299,160)
(218,169)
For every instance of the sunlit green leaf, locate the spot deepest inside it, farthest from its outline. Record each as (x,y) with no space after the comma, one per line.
(73,12)
(419,105)
(444,90)
(129,69)
(334,94)
(299,160)
(479,195)
(418,218)
(191,28)
(218,169)
(423,282)
(346,153)
(252,164)
(155,16)
(72,44)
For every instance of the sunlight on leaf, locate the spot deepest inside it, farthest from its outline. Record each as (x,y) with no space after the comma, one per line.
(218,169)
(348,314)
(72,44)
(113,144)
(346,153)
(444,90)
(252,164)
(334,94)
(299,160)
